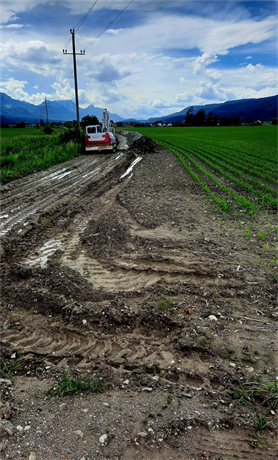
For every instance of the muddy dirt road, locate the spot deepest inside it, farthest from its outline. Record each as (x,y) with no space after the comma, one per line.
(111,268)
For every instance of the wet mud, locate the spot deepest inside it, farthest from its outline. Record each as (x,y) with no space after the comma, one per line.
(110,268)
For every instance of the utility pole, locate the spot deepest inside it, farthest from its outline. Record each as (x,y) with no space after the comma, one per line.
(46,110)
(72,31)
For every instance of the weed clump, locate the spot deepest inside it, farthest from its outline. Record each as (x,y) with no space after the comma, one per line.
(165,303)
(9,371)
(70,386)
(260,389)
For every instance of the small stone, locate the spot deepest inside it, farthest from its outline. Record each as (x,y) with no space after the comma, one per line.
(84,321)
(187,395)
(189,427)
(155,377)
(77,433)
(6,427)
(32,456)
(103,438)
(5,382)
(27,428)
(85,410)
(250,369)
(147,389)
(150,430)
(47,367)
(13,356)
(142,434)
(232,364)
(126,382)
(212,318)
(272,412)
(19,428)
(106,404)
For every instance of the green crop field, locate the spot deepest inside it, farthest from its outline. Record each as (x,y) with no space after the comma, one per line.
(24,150)
(240,161)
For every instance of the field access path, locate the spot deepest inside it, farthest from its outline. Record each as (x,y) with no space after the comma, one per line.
(111,268)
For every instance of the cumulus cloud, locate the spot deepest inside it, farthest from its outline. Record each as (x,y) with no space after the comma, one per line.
(203,61)
(33,55)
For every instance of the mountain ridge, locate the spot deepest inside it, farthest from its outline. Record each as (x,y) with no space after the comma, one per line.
(57,110)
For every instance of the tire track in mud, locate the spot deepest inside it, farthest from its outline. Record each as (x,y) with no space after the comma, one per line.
(38,194)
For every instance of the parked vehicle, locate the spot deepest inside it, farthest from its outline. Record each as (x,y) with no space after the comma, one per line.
(100,138)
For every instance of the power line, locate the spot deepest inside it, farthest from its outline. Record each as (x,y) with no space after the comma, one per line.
(110,23)
(79,24)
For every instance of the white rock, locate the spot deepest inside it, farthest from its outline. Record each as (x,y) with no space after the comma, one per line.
(27,428)
(106,404)
(147,389)
(13,356)
(84,321)
(77,432)
(189,427)
(212,318)
(150,430)
(103,438)
(19,428)
(142,434)
(85,410)
(232,364)
(32,456)
(250,369)
(155,377)
(272,412)
(126,382)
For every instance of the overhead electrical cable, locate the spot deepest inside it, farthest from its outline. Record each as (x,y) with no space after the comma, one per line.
(110,24)
(79,24)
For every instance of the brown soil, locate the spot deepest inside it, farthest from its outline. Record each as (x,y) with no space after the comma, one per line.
(116,277)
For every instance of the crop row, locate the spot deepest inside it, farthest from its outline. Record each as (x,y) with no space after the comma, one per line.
(204,157)
(239,199)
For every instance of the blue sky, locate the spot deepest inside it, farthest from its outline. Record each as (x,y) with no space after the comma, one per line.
(156,58)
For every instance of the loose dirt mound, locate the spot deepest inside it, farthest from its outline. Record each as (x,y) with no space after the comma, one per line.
(127,280)
(141,144)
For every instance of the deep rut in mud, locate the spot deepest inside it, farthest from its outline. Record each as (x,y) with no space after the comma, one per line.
(121,275)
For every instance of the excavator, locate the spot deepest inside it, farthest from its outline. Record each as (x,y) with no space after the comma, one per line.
(100,137)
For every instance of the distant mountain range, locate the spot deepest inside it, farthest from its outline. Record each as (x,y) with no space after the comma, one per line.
(14,111)
(257,109)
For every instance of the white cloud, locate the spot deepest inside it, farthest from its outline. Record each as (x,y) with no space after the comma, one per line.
(11,85)
(248,57)
(12,26)
(201,62)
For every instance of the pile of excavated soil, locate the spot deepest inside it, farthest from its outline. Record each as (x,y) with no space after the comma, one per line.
(127,280)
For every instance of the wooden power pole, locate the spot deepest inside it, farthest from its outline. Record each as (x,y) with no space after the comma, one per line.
(46,110)
(72,31)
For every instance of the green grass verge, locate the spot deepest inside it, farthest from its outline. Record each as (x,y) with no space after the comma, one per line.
(33,150)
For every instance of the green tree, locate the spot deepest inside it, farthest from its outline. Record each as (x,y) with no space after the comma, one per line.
(21,124)
(89,120)
(189,117)
(200,117)
(237,121)
(42,122)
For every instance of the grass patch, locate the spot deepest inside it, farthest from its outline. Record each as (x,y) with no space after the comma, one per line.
(23,154)
(260,389)
(165,303)
(258,440)
(74,386)
(8,371)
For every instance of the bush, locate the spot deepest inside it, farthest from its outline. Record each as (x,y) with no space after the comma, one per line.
(47,129)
